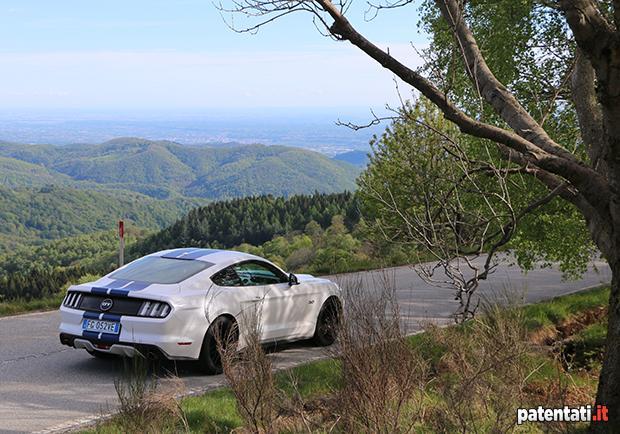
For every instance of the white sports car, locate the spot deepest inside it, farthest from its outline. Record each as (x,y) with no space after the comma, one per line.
(172,302)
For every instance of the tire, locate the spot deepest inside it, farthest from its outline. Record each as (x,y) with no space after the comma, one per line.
(327,323)
(210,361)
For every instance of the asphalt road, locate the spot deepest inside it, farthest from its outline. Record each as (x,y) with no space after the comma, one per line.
(47,387)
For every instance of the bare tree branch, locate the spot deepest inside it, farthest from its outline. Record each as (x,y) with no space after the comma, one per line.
(595,189)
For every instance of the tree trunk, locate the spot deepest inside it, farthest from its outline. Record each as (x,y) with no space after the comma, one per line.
(609,381)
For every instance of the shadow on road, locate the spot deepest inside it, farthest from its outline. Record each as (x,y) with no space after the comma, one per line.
(162,368)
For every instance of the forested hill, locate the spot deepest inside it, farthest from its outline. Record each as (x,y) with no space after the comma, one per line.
(53,212)
(164,169)
(253,220)
(34,272)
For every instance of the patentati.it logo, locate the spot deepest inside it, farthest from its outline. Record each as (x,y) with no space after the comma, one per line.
(581,413)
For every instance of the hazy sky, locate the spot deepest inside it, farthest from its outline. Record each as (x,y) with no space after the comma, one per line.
(178,54)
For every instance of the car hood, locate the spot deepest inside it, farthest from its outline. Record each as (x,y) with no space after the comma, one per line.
(309,278)
(304,277)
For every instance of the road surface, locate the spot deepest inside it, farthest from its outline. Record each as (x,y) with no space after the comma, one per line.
(48,387)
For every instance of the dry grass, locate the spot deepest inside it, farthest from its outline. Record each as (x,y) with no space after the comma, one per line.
(382,377)
(298,414)
(482,373)
(145,404)
(250,375)
(467,378)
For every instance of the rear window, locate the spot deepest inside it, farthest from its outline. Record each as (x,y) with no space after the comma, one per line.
(154,269)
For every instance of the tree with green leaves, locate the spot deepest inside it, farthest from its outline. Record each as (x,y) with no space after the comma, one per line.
(511,74)
(450,197)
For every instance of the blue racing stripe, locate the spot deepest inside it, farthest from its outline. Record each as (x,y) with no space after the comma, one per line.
(104,316)
(135,286)
(119,287)
(178,252)
(118,283)
(105,337)
(91,335)
(189,254)
(199,254)
(98,291)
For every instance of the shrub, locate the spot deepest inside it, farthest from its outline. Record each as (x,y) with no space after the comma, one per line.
(250,375)
(382,377)
(145,406)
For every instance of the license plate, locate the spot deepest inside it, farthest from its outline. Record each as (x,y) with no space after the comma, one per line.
(100,326)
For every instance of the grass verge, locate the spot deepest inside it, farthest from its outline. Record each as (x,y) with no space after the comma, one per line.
(15,307)
(569,329)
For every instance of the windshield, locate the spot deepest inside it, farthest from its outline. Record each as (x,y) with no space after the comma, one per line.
(155,269)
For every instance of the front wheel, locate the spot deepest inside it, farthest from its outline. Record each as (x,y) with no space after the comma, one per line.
(327,323)
(223,331)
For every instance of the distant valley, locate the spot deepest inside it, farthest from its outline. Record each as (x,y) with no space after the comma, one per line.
(164,169)
(315,130)
(50,192)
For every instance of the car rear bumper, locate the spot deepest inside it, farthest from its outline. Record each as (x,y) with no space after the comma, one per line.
(124,349)
(178,336)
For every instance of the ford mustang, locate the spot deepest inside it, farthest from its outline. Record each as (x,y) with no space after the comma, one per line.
(174,303)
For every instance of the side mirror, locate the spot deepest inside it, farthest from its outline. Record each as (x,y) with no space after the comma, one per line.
(292,280)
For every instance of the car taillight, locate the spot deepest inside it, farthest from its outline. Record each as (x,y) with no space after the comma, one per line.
(154,309)
(73,299)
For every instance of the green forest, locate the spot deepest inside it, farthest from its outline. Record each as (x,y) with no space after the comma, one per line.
(59,205)
(34,215)
(55,235)
(252,220)
(319,233)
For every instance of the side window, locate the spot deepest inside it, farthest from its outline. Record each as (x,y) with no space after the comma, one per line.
(255,273)
(227,277)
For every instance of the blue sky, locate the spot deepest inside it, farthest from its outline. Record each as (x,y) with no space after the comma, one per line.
(179,55)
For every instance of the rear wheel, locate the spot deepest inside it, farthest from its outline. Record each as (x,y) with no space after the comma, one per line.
(223,330)
(327,323)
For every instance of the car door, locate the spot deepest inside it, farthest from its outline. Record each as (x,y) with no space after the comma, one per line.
(279,298)
(232,294)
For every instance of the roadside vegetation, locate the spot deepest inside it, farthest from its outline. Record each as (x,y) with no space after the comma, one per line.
(463,378)
(318,234)
(19,306)
(49,302)
(36,278)
(335,249)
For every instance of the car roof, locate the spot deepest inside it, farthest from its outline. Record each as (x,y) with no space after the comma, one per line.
(213,256)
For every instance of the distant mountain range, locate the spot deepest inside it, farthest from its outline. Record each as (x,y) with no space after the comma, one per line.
(356,158)
(164,169)
(315,130)
(50,192)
